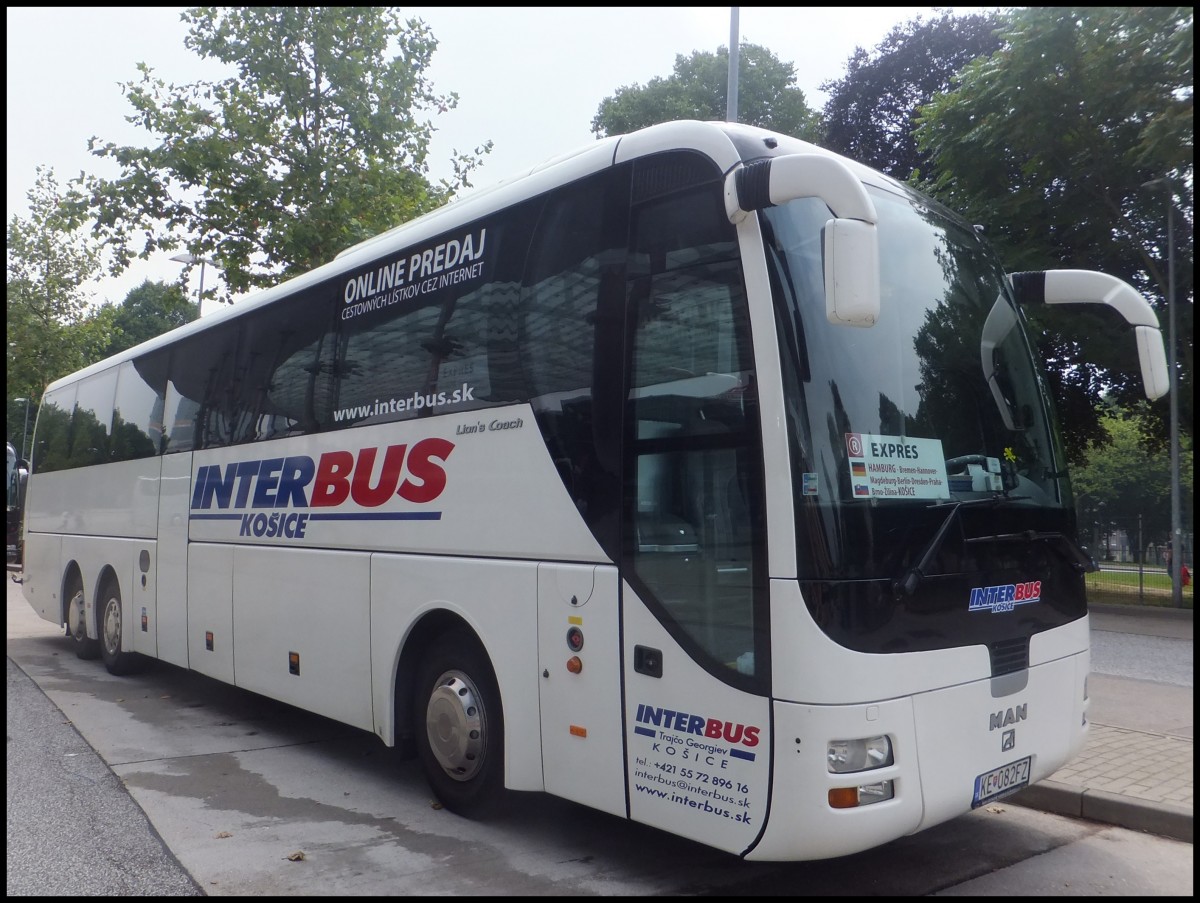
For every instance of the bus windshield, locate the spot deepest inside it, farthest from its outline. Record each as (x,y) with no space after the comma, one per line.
(939,402)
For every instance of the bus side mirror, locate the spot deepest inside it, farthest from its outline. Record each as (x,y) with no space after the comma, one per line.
(1089,287)
(851,273)
(850,241)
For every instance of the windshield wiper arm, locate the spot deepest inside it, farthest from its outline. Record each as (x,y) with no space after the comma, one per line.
(912,578)
(1080,559)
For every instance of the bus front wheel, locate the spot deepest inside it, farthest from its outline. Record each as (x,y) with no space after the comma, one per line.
(85,647)
(115,660)
(459,726)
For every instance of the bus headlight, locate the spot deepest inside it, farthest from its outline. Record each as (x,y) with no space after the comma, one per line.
(863,754)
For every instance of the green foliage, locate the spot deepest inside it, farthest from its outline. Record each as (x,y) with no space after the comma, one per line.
(316,143)
(148,311)
(698,88)
(1124,476)
(1049,142)
(49,265)
(872,110)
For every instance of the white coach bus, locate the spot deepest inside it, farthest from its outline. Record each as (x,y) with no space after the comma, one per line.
(702,477)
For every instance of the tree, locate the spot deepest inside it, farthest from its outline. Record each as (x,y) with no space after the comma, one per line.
(316,143)
(698,88)
(1124,478)
(872,110)
(49,266)
(1049,142)
(148,311)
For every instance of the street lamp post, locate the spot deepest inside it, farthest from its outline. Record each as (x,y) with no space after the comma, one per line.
(731,91)
(190,258)
(1173,388)
(25,433)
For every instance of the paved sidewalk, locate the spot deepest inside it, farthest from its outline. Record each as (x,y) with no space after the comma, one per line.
(1123,777)
(1137,779)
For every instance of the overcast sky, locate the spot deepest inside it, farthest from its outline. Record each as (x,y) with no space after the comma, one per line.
(528,79)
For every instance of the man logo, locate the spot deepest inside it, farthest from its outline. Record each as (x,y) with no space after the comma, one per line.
(1011,716)
(1009,741)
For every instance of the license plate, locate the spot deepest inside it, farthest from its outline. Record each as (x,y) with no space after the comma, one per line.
(1001,782)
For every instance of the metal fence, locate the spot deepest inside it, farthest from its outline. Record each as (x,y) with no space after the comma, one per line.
(1134,569)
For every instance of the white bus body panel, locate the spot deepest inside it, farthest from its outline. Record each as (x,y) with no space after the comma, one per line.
(498,600)
(942,741)
(802,825)
(70,516)
(170,625)
(139,600)
(210,611)
(705,137)
(703,771)
(43,559)
(582,746)
(942,737)
(496,455)
(315,604)
(964,731)
(106,500)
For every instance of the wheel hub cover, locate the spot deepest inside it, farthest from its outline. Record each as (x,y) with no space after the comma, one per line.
(454,721)
(112,625)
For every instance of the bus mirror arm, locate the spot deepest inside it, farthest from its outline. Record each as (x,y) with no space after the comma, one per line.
(1000,321)
(1089,287)
(850,239)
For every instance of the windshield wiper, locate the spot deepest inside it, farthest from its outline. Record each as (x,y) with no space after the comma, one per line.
(1080,560)
(912,578)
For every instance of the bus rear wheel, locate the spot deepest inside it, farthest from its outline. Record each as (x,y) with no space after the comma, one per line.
(115,659)
(85,648)
(459,727)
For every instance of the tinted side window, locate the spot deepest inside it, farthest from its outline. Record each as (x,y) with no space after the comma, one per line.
(576,270)
(284,369)
(52,433)
(92,421)
(205,382)
(180,410)
(432,330)
(137,413)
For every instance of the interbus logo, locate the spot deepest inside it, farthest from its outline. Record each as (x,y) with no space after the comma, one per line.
(1005,597)
(259,491)
(649,717)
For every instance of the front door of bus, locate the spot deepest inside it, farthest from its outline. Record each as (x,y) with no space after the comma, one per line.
(580,691)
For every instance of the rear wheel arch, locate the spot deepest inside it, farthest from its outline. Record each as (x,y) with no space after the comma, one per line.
(458,723)
(111,613)
(80,624)
(72,580)
(424,633)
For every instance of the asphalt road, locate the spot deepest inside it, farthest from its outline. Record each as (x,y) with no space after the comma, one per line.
(73,829)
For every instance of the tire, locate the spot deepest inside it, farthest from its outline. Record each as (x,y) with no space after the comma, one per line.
(76,618)
(459,727)
(115,660)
